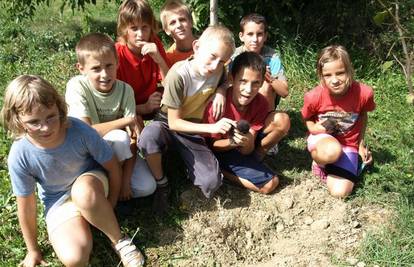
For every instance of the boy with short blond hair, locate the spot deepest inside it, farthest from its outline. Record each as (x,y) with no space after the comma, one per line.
(177,22)
(107,104)
(188,87)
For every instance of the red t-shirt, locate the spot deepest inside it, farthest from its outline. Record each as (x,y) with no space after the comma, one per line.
(142,73)
(255,113)
(345,111)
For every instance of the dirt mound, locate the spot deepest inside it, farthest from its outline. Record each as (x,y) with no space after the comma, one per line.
(300,225)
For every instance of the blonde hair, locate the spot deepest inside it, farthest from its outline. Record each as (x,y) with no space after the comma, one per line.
(94,44)
(23,94)
(332,53)
(173,6)
(218,34)
(133,11)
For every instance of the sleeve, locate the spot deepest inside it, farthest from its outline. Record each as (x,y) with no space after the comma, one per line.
(173,89)
(276,67)
(308,111)
(369,104)
(23,183)
(76,99)
(128,101)
(97,147)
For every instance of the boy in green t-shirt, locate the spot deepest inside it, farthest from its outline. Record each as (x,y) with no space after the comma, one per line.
(107,104)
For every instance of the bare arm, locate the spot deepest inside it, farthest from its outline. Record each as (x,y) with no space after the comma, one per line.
(26,212)
(114,175)
(315,127)
(280,87)
(177,123)
(105,127)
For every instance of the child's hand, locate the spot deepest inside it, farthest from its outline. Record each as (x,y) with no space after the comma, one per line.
(240,139)
(222,126)
(218,105)
(32,259)
(365,154)
(154,102)
(268,75)
(125,193)
(150,49)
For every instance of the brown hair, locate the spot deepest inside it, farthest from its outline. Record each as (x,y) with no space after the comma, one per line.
(22,95)
(173,6)
(332,53)
(132,11)
(254,17)
(94,44)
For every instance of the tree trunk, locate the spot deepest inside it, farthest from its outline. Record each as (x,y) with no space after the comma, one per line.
(213,12)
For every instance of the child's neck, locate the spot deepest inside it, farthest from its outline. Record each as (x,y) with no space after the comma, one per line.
(136,51)
(185,45)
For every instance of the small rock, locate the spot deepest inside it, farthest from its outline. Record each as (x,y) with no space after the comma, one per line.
(286,204)
(308,220)
(356,224)
(320,224)
(361,264)
(352,261)
(280,227)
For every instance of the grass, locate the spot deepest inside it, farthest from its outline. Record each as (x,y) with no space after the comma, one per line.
(45,46)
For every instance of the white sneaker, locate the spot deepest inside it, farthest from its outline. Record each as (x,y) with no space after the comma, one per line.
(129,253)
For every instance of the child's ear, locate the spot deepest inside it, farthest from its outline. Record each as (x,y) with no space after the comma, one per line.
(196,45)
(80,67)
(241,36)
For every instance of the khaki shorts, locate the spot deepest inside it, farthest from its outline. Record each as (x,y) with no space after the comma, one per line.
(68,210)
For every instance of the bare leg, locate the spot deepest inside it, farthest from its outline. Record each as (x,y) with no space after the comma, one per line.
(269,187)
(89,196)
(72,242)
(327,150)
(338,186)
(277,125)
(154,162)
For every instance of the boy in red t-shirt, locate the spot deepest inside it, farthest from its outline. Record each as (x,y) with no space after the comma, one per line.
(240,152)
(335,113)
(142,59)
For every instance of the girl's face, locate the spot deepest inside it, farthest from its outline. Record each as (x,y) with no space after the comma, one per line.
(43,126)
(335,77)
(137,34)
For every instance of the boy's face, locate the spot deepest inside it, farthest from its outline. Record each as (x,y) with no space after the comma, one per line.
(253,36)
(43,126)
(335,77)
(100,71)
(210,57)
(246,85)
(137,33)
(179,26)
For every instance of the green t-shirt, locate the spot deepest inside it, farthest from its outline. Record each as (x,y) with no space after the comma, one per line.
(85,101)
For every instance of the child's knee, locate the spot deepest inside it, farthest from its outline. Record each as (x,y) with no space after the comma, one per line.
(78,256)
(340,190)
(210,184)
(86,192)
(145,188)
(280,124)
(120,143)
(327,151)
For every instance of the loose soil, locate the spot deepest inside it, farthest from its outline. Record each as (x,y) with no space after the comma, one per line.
(299,225)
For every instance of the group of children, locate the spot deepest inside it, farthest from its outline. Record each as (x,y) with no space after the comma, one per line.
(222,123)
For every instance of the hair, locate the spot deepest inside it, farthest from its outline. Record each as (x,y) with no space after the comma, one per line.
(23,94)
(249,60)
(253,17)
(133,11)
(218,33)
(173,6)
(332,53)
(97,44)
